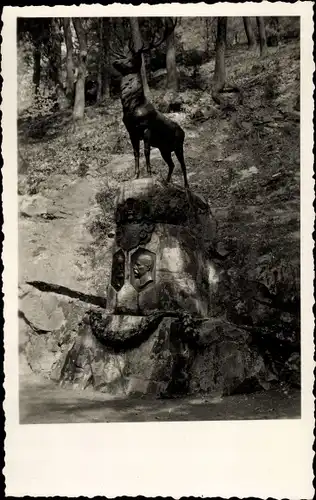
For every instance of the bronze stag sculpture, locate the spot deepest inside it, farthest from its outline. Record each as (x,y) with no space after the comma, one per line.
(142,121)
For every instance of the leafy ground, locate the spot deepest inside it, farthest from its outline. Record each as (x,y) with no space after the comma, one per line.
(244,159)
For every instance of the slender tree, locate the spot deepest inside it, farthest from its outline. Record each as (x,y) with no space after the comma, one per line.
(36,68)
(172,73)
(262,35)
(220,48)
(208,28)
(249,32)
(38,32)
(100,59)
(56,65)
(219,80)
(70,85)
(79,105)
(104,35)
(107,32)
(137,41)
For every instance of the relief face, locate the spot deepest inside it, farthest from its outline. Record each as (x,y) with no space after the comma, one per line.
(118,270)
(142,268)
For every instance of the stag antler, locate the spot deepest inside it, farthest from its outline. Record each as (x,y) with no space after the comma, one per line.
(169,26)
(119,50)
(118,46)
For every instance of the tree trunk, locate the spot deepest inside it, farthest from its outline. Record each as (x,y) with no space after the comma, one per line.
(207,36)
(79,105)
(262,35)
(101,59)
(172,74)
(249,32)
(55,65)
(219,72)
(36,69)
(137,40)
(69,61)
(104,29)
(106,46)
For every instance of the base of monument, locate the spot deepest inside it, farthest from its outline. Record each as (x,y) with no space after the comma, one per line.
(125,356)
(161,356)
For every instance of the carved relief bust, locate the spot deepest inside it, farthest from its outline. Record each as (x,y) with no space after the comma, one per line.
(142,268)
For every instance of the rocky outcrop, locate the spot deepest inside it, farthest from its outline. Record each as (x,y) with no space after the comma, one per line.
(174,320)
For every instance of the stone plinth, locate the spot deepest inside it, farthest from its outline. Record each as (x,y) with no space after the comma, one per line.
(160,274)
(159,254)
(159,334)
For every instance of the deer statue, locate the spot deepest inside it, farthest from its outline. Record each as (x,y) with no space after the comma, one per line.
(142,121)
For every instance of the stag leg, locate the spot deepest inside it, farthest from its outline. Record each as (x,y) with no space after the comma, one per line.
(135,144)
(179,154)
(147,150)
(167,157)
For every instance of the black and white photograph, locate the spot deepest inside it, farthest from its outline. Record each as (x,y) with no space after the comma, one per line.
(159,222)
(159,239)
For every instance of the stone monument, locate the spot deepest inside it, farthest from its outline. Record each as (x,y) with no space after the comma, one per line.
(159,256)
(161,277)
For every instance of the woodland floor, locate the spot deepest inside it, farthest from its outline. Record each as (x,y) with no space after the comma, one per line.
(41,402)
(244,160)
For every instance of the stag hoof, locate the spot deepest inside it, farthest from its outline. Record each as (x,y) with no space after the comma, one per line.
(136,176)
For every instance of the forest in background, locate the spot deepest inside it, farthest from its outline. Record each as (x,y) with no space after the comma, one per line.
(235,92)
(67,63)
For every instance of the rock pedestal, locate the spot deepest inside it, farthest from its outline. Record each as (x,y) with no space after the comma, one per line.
(160,334)
(159,256)
(160,278)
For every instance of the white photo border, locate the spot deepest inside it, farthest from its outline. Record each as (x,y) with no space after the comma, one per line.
(263,459)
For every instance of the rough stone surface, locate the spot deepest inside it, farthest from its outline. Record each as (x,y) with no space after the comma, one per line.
(48,324)
(55,240)
(176,320)
(225,362)
(42,310)
(146,369)
(164,232)
(163,357)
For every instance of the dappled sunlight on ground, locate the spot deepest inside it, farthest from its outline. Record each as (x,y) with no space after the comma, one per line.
(42,401)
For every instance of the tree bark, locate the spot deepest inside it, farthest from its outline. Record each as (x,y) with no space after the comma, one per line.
(70,85)
(249,32)
(220,48)
(262,36)
(79,105)
(104,30)
(137,40)
(207,36)
(55,64)
(172,74)
(106,45)
(36,69)
(101,59)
